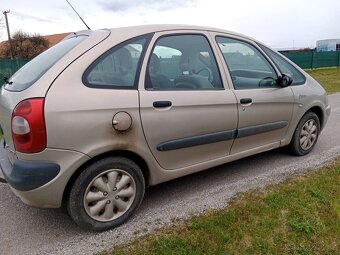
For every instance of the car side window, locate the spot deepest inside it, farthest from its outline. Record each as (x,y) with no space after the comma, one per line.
(118,67)
(285,67)
(248,68)
(182,62)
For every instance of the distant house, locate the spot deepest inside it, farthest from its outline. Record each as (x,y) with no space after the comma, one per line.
(135,53)
(283,50)
(55,38)
(52,39)
(328,45)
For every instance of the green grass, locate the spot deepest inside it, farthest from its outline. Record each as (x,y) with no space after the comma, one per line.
(300,216)
(329,78)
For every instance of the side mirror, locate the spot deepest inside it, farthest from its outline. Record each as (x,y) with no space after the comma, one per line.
(284,81)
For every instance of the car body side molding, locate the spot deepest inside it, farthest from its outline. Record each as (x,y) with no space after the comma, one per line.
(254,130)
(197,140)
(219,136)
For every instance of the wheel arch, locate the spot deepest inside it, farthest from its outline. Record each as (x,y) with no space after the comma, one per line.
(119,153)
(318,111)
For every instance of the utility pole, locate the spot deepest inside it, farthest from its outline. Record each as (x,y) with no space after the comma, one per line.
(8,33)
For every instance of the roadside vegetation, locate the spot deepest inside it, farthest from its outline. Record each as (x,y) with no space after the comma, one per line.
(23,46)
(299,216)
(329,78)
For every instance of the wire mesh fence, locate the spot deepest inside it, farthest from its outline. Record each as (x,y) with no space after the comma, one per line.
(311,59)
(304,59)
(9,66)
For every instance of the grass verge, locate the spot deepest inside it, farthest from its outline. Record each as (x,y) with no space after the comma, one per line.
(329,78)
(299,216)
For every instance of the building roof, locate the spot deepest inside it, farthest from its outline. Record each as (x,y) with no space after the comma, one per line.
(328,41)
(52,39)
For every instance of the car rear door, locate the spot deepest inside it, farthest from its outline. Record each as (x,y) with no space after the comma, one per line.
(264,109)
(188,116)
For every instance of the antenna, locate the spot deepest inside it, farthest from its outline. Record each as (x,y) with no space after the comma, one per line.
(78,15)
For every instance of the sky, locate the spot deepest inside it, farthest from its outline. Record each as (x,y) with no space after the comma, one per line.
(277,23)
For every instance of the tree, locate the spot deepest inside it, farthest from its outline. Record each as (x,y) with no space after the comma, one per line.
(24,45)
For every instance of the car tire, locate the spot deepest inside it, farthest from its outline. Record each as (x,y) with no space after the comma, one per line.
(106,193)
(305,135)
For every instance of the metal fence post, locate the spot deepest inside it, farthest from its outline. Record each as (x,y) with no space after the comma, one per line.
(338,58)
(312,60)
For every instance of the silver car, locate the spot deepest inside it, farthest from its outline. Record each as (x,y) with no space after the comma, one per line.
(97,118)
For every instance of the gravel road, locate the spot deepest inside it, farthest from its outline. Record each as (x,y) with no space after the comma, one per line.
(26,230)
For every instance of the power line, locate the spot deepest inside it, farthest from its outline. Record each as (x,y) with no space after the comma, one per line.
(2,25)
(20,14)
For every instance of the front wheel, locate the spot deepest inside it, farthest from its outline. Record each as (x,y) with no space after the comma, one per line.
(106,193)
(306,134)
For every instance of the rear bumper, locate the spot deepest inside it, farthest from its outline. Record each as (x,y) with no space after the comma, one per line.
(2,177)
(26,175)
(3,160)
(26,171)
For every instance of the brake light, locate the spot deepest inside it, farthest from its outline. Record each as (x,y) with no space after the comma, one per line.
(28,126)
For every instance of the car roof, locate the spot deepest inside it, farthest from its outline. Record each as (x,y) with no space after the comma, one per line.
(144,29)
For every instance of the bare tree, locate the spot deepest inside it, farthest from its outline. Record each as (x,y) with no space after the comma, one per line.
(24,45)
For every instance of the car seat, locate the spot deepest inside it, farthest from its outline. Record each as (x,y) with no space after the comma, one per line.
(189,79)
(157,79)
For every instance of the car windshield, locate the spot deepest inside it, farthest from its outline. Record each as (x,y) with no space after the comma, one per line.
(37,67)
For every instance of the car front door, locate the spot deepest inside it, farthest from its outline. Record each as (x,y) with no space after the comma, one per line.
(264,108)
(188,116)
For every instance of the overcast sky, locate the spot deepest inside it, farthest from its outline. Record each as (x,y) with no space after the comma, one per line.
(277,23)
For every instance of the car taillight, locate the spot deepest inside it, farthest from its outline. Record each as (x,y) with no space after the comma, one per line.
(28,126)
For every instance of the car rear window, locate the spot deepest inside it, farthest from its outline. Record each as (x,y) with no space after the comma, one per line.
(37,67)
(119,67)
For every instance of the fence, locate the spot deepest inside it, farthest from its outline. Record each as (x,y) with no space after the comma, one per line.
(8,67)
(304,59)
(311,59)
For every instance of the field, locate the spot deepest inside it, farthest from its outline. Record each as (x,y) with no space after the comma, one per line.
(329,78)
(299,216)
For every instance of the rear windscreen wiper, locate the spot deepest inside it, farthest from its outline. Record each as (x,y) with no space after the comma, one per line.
(7,81)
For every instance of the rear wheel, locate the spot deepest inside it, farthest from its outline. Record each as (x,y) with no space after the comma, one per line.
(106,194)
(306,134)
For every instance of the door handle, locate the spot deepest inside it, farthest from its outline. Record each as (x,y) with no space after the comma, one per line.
(246,100)
(162,104)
